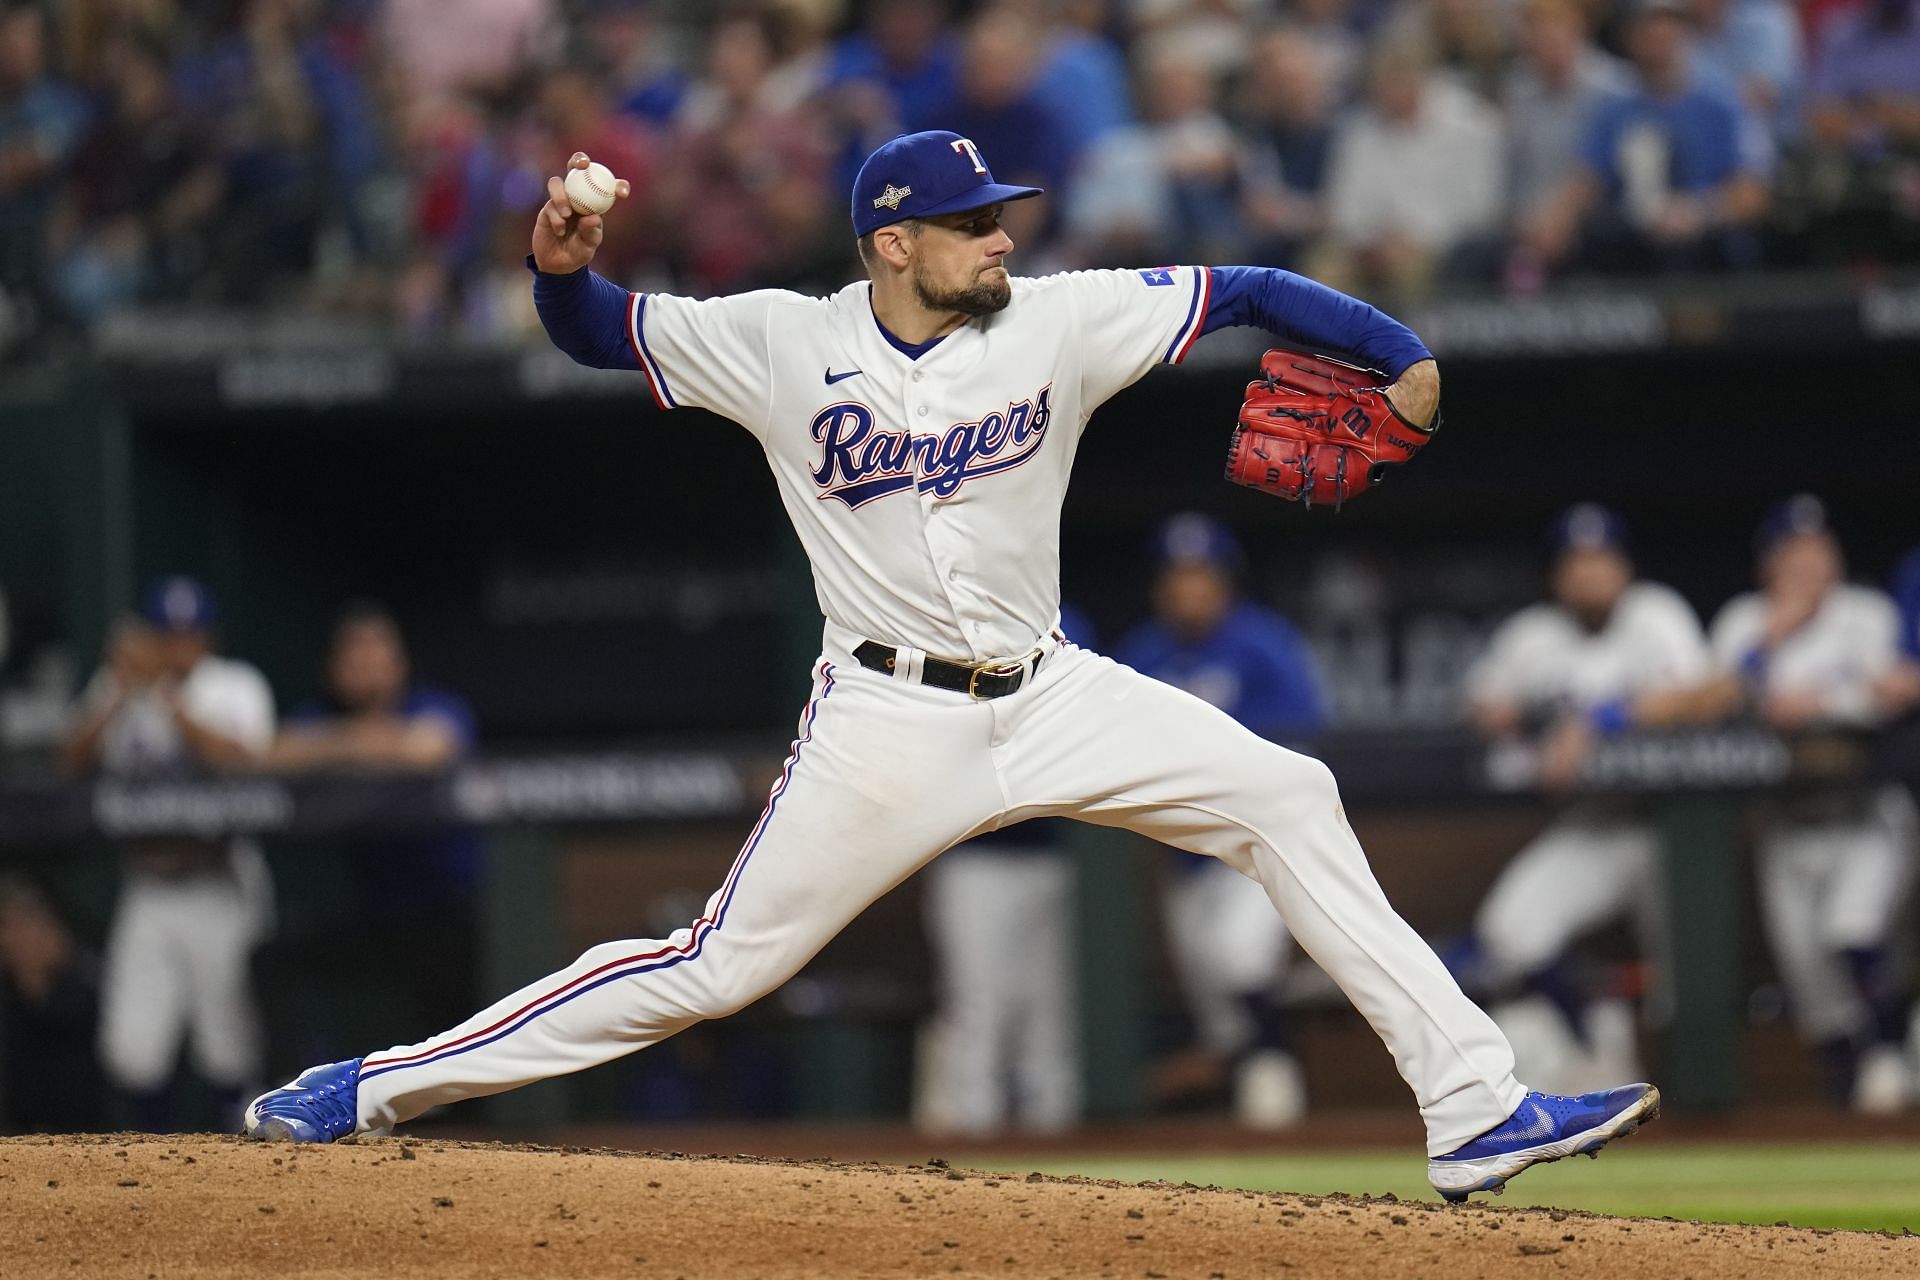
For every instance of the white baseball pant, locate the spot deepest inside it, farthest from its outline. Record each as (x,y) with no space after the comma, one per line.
(1227,943)
(1577,875)
(886,774)
(1825,888)
(178,965)
(1000,921)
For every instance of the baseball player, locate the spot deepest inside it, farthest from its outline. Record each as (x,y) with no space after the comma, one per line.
(1227,944)
(190,912)
(921,426)
(1808,651)
(1605,654)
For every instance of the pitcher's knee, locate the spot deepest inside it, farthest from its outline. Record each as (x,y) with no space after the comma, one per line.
(730,987)
(1300,782)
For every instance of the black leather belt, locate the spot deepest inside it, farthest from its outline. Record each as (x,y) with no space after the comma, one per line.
(982,682)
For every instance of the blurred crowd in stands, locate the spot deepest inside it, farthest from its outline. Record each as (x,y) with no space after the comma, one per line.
(382,158)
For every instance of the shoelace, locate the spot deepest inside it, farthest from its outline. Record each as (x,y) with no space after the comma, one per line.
(325,1103)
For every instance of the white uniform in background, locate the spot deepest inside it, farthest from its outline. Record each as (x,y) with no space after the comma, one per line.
(1004,1048)
(1596,862)
(927,494)
(1835,866)
(187,919)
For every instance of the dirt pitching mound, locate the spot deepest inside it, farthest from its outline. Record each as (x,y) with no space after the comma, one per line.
(212,1207)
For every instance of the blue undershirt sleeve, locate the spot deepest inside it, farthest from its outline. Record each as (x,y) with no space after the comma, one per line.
(1308,312)
(586,316)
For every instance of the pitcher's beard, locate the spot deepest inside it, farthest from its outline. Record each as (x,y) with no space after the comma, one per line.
(981,298)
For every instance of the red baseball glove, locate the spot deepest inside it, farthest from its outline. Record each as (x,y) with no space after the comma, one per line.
(1316,430)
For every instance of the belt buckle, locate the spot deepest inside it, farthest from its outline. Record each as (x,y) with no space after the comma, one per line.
(1008,669)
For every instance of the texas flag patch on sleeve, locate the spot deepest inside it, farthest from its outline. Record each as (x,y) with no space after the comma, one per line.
(1157,275)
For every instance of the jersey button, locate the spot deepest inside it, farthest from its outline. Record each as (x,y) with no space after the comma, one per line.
(953,575)
(922,411)
(919,374)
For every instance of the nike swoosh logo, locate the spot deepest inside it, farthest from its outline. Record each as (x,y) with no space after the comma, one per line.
(833,377)
(1541,1127)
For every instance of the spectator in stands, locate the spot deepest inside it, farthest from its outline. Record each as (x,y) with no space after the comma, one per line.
(1551,94)
(135,219)
(1607,653)
(1289,131)
(745,187)
(1083,79)
(1807,654)
(801,32)
(49,1019)
(1414,183)
(1470,41)
(411,919)
(1166,187)
(480,51)
(637,58)
(889,78)
(290,125)
(1866,79)
(1860,179)
(1229,949)
(190,912)
(42,120)
(1751,48)
(1215,31)
(454,164)
(998,104)
(1333,31)
(1672,175)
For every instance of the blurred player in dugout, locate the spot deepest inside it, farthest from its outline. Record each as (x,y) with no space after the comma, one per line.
(1809,653)
(1228,946)
(1003,1049)
(190,912)
(407,928)
(1603,654)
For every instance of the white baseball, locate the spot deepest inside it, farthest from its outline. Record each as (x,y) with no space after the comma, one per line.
(590,190)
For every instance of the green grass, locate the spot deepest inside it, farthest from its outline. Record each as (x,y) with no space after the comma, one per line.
(1856,1186)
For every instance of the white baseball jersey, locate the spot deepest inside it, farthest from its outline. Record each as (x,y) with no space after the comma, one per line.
(926,492)
(1851,640)
(1543,658)
(229,697)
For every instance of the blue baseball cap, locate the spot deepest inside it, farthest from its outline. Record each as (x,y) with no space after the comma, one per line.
(1191,538)
(179,604)
(918,175)
(1802,513)
(1587,526)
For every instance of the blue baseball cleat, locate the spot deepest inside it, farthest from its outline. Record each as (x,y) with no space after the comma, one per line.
(1542,1129)
(318,1105)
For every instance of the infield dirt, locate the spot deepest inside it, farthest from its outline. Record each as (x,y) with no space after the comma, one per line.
(210,1207)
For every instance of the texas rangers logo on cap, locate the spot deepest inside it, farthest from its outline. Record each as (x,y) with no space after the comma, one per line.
(918,175)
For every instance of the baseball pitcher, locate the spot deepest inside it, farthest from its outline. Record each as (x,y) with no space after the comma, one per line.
(921,425)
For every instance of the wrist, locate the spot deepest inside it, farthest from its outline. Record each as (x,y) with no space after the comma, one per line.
(533,265)
(1415,394)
